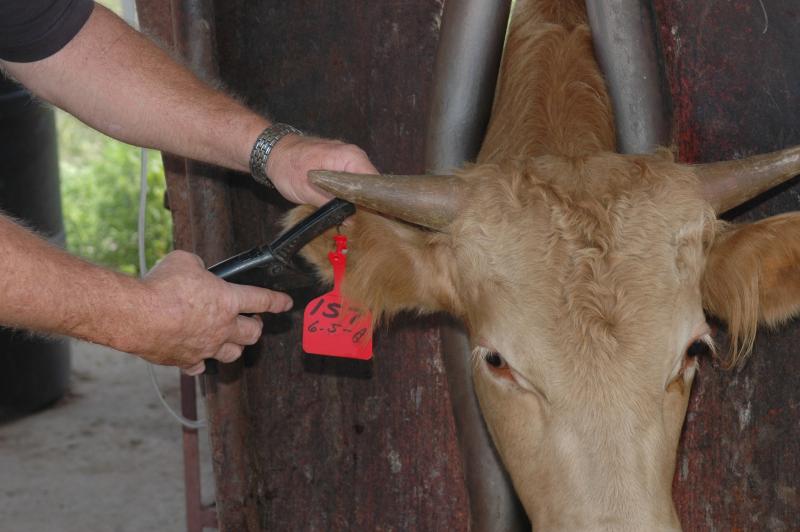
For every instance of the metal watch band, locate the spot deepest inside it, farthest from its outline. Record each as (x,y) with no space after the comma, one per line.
(263,147)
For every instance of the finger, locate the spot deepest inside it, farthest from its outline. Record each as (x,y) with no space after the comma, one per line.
(229,352)
(255,300)
(362,167)
(197,369)
(247,331)
(358,162)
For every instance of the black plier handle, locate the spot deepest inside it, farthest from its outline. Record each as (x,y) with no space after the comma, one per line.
(276,256)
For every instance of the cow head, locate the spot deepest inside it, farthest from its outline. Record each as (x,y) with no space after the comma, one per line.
(583,283)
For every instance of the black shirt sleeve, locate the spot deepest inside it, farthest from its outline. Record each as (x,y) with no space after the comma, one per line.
(31,30)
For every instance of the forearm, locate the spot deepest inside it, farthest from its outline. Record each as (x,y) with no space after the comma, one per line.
(45,289)
(118,82)
(179,314)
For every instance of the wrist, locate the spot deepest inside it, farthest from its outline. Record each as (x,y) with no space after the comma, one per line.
(249,132)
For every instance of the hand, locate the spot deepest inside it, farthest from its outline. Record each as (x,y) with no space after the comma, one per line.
(199,316)
(293,156)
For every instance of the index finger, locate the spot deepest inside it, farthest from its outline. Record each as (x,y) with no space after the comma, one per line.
(255,300)
(360,165)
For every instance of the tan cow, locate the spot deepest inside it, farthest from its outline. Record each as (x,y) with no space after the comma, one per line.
(582,276)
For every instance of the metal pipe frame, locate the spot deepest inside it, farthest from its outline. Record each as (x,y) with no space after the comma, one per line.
(471,42)
(465,74)
(625,45)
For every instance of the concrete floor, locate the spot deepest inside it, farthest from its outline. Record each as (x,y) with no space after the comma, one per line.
(107,457)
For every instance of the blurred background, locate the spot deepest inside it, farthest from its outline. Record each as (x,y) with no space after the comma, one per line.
(100,194)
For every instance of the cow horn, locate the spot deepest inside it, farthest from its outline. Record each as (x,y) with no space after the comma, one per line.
(728,184)
(431,201)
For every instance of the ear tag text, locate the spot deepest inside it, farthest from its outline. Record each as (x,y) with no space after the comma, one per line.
(333,325)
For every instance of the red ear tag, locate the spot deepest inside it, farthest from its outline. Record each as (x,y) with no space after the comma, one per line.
(333,325)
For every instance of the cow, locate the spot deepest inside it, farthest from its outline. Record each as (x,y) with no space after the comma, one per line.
(583,277)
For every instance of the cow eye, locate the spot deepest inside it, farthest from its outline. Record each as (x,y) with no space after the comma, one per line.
(699,348)
(496,364)
(494,359)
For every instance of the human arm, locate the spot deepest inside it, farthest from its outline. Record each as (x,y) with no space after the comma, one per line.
(178,315)
(131,90)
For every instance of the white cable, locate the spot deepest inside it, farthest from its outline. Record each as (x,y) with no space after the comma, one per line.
(186,422)
(130,13)
(140,227)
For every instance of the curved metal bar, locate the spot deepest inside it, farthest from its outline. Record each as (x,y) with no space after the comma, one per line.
(193,27)
(626,48)
(470,46)
(465,75)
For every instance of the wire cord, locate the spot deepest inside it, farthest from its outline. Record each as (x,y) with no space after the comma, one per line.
(186,422)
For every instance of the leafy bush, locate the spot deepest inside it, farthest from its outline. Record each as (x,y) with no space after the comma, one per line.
(100,195)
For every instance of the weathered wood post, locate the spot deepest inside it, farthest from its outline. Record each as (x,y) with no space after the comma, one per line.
(305,443)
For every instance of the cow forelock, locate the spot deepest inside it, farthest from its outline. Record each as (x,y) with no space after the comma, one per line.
(603,255)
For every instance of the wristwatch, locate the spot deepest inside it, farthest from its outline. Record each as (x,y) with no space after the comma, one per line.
(263,147)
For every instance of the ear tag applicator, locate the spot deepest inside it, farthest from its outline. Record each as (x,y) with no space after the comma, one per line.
(334,326)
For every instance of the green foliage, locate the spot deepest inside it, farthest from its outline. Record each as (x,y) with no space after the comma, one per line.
(113,5)
(100,194)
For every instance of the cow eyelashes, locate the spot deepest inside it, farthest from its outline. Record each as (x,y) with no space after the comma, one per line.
(495,363)
(501,371)
(494,359)
(498,366)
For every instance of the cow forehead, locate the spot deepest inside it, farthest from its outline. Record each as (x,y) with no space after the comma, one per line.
(603,250)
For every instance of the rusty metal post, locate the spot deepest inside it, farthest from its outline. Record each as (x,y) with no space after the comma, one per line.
(465,75)
(196,194)
(194,31)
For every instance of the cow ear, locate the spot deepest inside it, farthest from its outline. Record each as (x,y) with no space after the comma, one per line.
(752,277)
(391,266)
